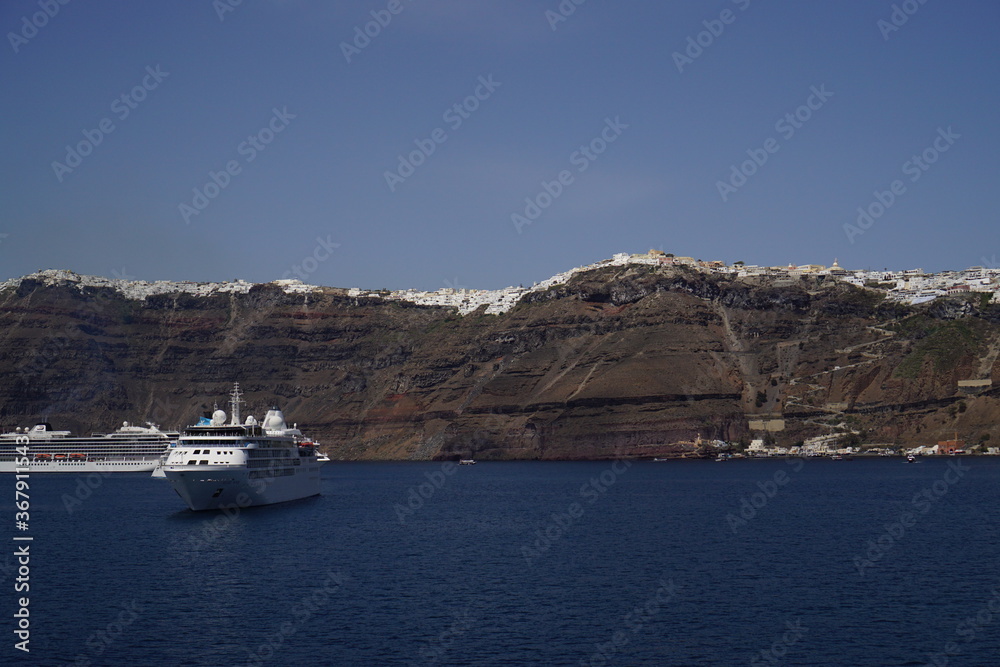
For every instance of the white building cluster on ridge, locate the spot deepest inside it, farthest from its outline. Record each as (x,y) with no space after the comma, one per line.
(496,301)
(911,286)
(140,289)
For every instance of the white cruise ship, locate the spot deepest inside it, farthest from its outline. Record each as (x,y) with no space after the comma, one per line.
(129,449)
(216,465)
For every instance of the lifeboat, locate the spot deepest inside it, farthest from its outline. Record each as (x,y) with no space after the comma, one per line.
(59,457)
(43,457)
(77,457)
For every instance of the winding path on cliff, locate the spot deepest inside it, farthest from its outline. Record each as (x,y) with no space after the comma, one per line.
(985,370)
(587,350)
(746,361)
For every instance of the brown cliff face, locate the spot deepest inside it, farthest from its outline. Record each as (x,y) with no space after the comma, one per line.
(619,361)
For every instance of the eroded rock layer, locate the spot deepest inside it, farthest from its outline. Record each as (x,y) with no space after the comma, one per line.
(624,360)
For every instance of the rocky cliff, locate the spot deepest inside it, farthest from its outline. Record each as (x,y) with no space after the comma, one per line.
(622,360)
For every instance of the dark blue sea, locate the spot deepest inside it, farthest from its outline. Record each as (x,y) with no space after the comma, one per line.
(816,562)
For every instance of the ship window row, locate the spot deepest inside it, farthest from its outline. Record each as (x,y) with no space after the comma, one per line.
(200,443)
(64,447)
(270,453)
(263,474)
(266,463)
(41,456)
(102,461)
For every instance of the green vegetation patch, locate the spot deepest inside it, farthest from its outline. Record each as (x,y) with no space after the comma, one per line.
(917,326)
(947,344)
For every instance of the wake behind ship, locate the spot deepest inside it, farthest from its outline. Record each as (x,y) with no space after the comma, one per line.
(217,465)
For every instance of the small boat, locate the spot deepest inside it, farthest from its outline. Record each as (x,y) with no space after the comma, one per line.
(659,460)
(467,462)
(312,447)
(910,458)
(836,457)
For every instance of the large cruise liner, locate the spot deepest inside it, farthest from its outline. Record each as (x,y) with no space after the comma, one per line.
(129,449)
(224,466)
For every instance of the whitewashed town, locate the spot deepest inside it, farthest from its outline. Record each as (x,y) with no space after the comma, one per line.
(832,446)
(910,286)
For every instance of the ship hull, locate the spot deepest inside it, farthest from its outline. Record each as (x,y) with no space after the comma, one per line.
(227,487)
(78,467)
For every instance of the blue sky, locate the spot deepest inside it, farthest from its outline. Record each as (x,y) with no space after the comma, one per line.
(315,200)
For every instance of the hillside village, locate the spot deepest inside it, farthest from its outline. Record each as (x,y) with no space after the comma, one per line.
(911,286)
(832,445)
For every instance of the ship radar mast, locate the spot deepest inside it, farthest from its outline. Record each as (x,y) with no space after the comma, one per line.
(234,404)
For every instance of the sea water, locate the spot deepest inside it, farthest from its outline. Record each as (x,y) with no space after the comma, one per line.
(757,562)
